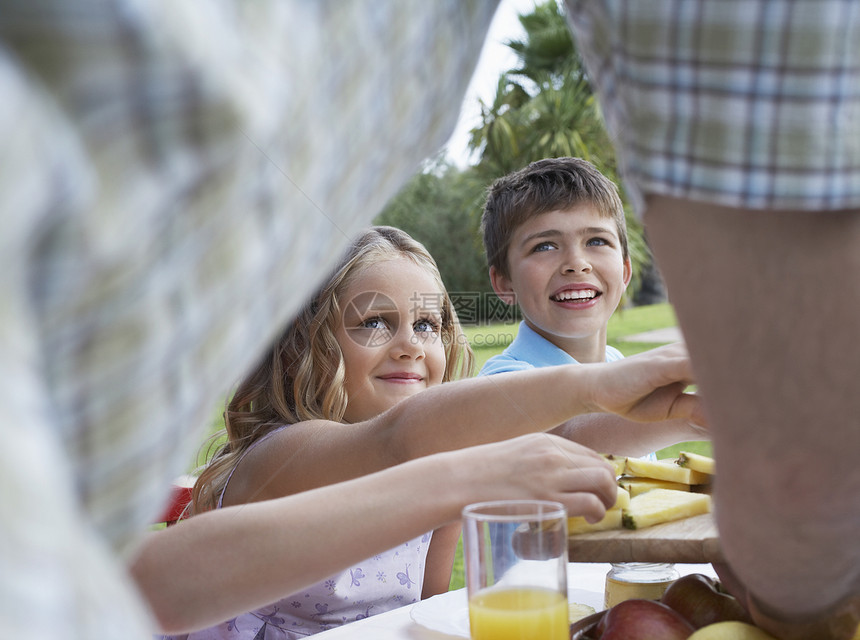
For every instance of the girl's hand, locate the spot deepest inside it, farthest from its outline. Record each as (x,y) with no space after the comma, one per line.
(647,387)
(545,467)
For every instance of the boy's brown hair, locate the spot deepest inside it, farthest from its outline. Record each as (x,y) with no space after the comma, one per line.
(543,186)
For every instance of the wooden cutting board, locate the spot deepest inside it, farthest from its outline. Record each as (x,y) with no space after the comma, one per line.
(692,540)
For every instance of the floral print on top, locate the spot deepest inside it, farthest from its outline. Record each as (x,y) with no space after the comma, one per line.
(384,582)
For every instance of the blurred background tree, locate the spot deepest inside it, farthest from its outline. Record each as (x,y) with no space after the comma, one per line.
(542,108)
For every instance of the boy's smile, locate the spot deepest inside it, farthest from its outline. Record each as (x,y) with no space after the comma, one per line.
(567,273)
(578,295)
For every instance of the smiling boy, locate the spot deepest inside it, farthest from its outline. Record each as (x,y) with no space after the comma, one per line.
(556,243)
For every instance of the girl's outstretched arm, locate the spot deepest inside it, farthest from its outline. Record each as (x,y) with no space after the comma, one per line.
(221,563)
(646,387)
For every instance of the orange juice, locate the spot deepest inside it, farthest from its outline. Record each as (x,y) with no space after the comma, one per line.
(519,614)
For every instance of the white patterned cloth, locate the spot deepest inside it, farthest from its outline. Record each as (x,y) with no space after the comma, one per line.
(176,178)
(744,103)
(387,581)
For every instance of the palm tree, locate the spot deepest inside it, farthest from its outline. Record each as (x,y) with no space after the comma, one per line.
(548,47)
(544,107)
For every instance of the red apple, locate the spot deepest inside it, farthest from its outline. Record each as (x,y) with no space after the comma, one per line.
(699,599)
(643,620)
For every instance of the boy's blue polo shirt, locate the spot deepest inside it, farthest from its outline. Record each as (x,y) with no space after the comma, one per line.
(530,350)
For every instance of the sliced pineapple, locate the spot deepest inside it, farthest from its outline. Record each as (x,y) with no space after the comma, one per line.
(665,470)
(612,519)
(696,462)
(578,524)
(619,462)
(637,486)
(622,499)
(664,505)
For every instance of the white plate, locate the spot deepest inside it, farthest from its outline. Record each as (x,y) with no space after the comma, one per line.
(449,612)
(446,612)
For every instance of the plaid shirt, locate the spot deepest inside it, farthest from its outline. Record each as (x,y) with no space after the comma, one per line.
(745,103)
(176,178)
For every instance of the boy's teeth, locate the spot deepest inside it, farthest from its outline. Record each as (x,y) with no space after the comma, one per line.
(576,295)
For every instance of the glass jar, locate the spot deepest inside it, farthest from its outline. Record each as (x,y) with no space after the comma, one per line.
(629,580)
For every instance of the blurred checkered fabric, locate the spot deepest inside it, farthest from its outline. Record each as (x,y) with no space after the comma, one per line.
(745,103)
(176,178)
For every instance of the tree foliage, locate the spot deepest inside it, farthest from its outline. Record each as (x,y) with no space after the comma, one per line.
(543,107)
(441,207)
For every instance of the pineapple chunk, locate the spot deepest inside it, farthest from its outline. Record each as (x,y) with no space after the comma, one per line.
(578,524)
(696,462)
(664,505)
(619,462)
(612,519)
(622,500)
(637,486)
(665,470)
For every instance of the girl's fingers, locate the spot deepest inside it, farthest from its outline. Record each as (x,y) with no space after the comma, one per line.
(587,505)
(551,467)
(598,479)
(584,471)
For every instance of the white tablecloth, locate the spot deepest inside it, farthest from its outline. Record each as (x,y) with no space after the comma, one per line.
(585,582)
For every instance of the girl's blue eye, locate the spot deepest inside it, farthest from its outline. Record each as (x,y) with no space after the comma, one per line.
(373,323)
(597,241)
(425,326)
(543,246)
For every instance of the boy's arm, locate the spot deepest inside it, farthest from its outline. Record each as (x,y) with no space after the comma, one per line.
(610,433)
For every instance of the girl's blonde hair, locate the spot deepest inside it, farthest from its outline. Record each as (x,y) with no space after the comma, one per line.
(302,376)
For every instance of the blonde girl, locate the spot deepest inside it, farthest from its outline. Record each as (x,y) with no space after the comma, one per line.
(305,378)
(302,377)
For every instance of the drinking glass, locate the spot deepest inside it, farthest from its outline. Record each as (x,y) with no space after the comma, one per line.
(515,556)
